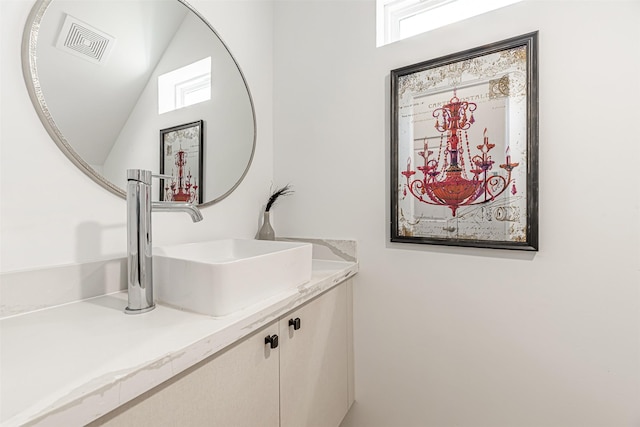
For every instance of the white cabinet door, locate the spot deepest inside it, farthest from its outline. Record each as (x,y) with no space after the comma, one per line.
(236,388)
(314,362)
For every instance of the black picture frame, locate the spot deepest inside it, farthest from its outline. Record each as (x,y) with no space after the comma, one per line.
(464,148)
(182,144)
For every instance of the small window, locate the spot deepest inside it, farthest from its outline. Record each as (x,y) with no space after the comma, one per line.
(399,19)
(185,86)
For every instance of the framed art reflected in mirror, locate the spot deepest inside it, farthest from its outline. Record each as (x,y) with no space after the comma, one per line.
(464,142)
(181,154)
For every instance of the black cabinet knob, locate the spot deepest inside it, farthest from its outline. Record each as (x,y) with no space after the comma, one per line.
(272,340)
(295,323)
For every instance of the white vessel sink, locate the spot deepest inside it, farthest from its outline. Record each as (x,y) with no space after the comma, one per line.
(220,277)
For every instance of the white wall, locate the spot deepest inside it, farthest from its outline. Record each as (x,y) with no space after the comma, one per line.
(476,337)
(52,214)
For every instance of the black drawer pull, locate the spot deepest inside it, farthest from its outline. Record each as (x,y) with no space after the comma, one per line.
(295,323)
(272,340)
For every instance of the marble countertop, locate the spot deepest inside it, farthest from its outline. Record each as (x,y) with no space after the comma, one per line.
(70,364)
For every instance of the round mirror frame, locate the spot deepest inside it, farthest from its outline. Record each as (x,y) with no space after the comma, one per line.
(30,72)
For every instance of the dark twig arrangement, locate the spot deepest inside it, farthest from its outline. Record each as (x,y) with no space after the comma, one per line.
(284,191)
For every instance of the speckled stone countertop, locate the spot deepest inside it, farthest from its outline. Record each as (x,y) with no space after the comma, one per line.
(70,364)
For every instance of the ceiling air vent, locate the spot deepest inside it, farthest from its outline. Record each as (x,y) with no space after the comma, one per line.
(84,41)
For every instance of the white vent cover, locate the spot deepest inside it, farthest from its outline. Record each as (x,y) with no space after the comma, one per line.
(84,41)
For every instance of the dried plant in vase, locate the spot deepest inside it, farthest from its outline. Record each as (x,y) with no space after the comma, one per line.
(266,231)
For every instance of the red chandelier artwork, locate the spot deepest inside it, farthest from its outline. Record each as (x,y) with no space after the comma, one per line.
(451,181)
(181,189)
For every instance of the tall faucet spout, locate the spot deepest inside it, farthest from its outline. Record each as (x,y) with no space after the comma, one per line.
(189,208)
(139,248)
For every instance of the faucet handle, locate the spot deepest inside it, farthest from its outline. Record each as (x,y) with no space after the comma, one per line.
(140,175)
(144,176)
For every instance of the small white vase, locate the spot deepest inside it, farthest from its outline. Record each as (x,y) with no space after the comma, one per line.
(266,231)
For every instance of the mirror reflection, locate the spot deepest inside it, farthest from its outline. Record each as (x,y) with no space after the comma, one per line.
(112,78)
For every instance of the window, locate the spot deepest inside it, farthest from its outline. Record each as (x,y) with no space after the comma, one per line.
(399,19)
(185,86)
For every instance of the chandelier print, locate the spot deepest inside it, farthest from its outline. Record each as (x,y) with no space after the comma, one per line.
(181,188)
(447,179)
(464,148)
(181,157)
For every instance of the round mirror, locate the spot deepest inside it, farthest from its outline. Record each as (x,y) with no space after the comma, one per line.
(138,84)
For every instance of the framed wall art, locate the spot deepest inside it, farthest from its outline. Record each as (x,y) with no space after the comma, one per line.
(464,148)
(181,157)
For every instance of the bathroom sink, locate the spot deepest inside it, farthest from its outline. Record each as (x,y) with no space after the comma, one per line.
(219,277)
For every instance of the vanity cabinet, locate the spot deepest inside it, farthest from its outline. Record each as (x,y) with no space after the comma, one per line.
(302,378)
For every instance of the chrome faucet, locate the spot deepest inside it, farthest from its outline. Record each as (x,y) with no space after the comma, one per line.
(139,253)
